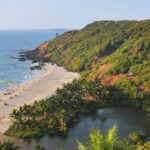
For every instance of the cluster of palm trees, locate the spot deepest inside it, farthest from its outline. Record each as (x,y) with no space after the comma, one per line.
(8,146)
(57,113)
(97,141)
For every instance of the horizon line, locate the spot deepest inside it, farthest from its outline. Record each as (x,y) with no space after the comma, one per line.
(65,28)
(35,29)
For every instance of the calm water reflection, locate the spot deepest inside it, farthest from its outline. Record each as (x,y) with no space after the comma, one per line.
(126,119)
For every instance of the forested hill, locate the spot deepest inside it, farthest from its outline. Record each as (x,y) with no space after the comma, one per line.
(110,50)
(115,55)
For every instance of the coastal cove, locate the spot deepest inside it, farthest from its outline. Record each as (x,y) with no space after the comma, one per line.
(41,87)
(11,43)
(82,89)
(75,75)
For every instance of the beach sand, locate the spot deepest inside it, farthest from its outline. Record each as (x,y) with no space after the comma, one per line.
(40,87)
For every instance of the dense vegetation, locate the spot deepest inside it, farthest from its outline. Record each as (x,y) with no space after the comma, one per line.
(116,52)
(124,46)
(8,146)
(114,61)
(135,141)
(11,146)
(59,112)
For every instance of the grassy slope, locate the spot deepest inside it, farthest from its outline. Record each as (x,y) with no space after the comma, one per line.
(123,44)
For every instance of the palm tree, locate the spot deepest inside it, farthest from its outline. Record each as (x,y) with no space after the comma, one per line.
(100,142)
(62,121)
(17,117)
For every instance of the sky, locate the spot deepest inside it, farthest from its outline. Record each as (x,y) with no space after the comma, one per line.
(70,14)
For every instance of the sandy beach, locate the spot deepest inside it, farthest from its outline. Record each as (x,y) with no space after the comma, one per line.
(39,88)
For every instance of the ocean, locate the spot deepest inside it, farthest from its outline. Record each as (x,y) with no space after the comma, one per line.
(14,41)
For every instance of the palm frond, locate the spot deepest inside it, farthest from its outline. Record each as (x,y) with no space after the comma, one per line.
(111,138)
(81,146)
(96,139)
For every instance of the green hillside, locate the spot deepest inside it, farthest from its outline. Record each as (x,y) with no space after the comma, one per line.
(122,40)
(124,46)
(115,55)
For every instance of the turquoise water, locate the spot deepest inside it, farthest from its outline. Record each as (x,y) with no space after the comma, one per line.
(12,42)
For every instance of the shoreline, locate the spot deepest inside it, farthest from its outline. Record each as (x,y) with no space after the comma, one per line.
(11,91)
(40,87)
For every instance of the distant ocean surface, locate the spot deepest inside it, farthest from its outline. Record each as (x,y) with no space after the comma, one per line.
(12,42)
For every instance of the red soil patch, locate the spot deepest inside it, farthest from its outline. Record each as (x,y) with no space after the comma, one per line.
(104,67)
(42,46)
(88,97)
(41,51)
(109,79)
(146,87)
